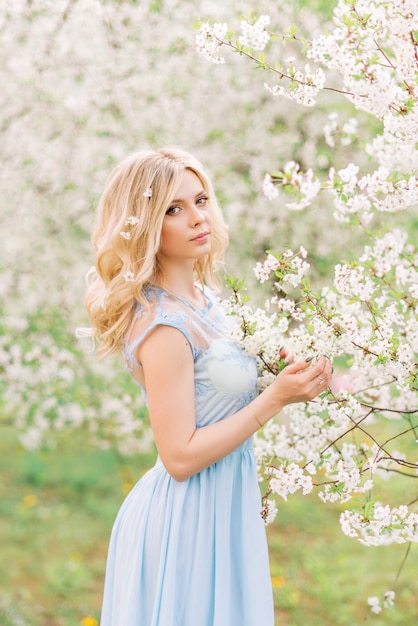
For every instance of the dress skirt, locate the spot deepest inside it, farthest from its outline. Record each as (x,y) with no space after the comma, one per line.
(191,553)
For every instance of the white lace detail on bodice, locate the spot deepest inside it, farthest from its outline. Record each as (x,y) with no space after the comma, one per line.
(225,377)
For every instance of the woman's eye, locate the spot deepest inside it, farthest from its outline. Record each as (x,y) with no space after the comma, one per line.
(173,210)
(202,200)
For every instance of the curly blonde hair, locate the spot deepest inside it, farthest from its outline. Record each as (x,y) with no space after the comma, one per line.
(126,238)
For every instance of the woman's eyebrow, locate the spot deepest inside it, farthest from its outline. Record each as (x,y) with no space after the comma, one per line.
(199,193)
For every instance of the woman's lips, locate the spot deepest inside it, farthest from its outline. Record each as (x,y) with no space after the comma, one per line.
(201,237)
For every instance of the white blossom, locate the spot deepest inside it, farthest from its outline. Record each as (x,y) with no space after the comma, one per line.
(269,511)
(383,526)
(209,41)
(287,480)
(307,85)
(262,271)
(255,35)
(129,276)
(269,189)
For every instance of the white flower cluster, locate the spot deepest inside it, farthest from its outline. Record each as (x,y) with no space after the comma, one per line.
(263,270)
(347,477)
(353,281)
(288,306)
(258,336)
(352,195)
(209,41)
(299,268)
(353,49)
(255,35)
(303,184)
(269,510)
(376,605)
(289,267)
(387,253)
(382,526)
(347,132)
(390,196)
(269,188)
(46,387)
(305,86)
(288,479)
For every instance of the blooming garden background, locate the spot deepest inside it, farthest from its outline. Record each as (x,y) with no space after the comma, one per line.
(87,81)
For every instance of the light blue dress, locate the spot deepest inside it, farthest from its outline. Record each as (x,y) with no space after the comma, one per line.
(193,553)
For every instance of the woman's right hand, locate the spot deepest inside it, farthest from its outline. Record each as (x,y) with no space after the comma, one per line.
(299,382)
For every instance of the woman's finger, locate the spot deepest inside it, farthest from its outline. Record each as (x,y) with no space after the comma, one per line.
(297,366)
(286,354)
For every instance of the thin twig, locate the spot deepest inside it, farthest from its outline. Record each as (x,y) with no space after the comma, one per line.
(408,549)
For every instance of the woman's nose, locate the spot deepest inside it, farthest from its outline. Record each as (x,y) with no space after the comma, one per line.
(197,216)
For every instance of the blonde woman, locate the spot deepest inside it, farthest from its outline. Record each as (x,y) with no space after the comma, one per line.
(188,547)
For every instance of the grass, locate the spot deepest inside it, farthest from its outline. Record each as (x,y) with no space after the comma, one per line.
(57,510)
(322,578)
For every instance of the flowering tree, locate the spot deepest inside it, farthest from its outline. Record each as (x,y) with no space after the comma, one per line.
(364,428)
(84,82)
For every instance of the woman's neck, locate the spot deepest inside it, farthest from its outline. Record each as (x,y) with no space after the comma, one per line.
(180,281)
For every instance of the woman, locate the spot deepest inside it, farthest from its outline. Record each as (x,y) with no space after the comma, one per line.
(188,547)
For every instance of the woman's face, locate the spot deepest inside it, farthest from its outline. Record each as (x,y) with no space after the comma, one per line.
(185,233)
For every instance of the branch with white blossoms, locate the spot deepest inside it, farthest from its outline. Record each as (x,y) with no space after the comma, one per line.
(302,85)
(382,525)
(368,320)
(373,48)
(354,198)
(302,184)
(262,332)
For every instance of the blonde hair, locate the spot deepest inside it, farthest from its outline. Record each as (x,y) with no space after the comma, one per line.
(126,238)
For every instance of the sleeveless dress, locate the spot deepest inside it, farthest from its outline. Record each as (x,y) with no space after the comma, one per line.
(193,553)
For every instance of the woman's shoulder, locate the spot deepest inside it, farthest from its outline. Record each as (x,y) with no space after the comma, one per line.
(162,308)
(158,308)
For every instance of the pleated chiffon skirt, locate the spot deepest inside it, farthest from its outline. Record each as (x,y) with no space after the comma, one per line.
(191,553)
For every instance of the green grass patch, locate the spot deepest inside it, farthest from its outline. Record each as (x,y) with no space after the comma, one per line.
(57,510)
(322,578)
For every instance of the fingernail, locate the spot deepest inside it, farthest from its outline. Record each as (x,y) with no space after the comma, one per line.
(309,358)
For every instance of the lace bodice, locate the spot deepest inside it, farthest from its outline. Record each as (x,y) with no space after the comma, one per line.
(225,377)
